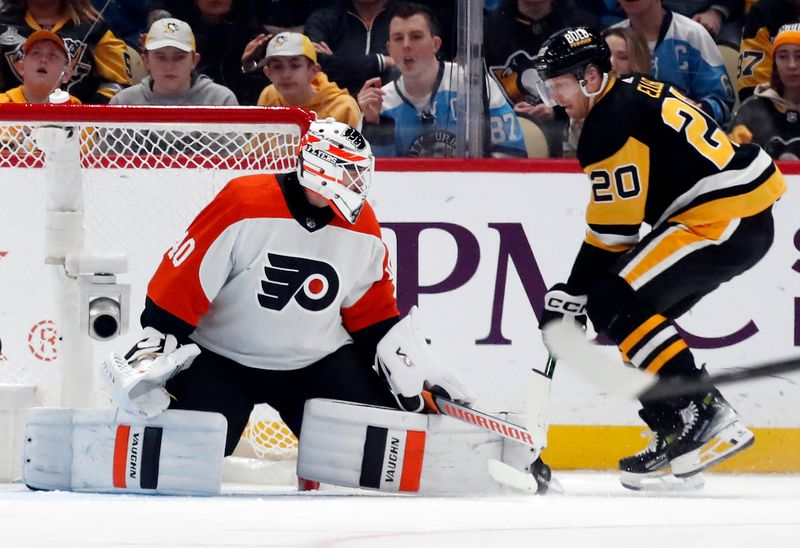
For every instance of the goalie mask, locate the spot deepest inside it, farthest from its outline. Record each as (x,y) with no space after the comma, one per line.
(571,51)
(337,163)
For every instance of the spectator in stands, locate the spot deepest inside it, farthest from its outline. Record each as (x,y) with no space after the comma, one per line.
(414,115)
(127,19)
(446,13)
(43,68)
(723,19)
(684,55)
(629,52)
(350,37)
(99,59)
(761,25)
(286,15)
(291,65)
(607,12)
(512,36)
(171,58)
(771,116)
(223,28)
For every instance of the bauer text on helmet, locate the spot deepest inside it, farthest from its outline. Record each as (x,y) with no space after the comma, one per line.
(336,162)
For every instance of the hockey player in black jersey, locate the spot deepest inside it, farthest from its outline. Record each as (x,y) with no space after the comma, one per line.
(654,158)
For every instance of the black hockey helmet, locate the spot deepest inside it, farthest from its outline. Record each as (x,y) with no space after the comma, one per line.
(570,51)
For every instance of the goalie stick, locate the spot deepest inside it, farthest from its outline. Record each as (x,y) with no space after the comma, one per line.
(538,479)
(537,400)
(479,419)
(570,345)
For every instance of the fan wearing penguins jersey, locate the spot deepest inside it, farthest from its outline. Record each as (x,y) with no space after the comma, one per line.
(283,283)
(654,158)
(99,63)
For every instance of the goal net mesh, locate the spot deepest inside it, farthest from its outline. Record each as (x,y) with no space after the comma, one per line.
(146,171)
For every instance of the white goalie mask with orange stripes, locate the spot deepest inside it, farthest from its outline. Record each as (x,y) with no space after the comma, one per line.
(336,162)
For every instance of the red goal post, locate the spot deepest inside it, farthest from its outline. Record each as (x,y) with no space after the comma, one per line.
(143,173)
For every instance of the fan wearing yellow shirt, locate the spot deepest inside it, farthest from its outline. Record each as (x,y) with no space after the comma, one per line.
(297,81)
(44,67)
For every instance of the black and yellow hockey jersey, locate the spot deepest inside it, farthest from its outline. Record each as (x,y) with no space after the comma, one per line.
(100,62)
(653,157)
(755,51)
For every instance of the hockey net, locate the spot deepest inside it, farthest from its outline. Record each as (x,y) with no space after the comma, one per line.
(146,172)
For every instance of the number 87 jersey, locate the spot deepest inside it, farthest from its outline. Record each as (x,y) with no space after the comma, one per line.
(653,157)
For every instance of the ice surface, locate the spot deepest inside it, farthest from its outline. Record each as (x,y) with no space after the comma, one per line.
(593,511)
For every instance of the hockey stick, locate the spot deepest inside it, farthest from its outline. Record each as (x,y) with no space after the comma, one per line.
(479,419)
(668,388)
(571,346)
(537,400)
(536,407)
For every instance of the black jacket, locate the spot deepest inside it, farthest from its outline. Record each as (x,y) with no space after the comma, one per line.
(357,51)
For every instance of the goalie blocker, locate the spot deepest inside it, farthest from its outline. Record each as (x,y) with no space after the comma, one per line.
(106,451)
(364,446)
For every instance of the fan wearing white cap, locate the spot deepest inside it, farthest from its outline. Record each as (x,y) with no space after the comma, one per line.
(297,81)
(170,57)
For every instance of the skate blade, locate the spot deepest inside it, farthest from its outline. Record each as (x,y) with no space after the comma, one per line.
(662,482)
(733,439)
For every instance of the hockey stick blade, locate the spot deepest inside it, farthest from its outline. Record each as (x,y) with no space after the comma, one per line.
(484,421)
(524,481)
(570,345)
(508,475)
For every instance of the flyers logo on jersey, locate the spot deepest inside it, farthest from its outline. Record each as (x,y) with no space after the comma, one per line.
(312,284)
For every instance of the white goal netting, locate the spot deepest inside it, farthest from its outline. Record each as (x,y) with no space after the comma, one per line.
(146,172)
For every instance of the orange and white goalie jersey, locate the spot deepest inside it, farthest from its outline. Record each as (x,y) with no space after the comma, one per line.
(272,282)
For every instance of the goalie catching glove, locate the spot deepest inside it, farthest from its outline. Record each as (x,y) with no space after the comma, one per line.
(409,366)
(136,381)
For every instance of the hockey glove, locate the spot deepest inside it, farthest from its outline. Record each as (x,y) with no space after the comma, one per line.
(136,381)
(561,305)
(408,365)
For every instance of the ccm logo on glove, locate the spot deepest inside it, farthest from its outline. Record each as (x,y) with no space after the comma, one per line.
(564,303)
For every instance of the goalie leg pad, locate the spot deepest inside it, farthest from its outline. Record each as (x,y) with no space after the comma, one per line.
(105,451)
(354,445)
(364,446)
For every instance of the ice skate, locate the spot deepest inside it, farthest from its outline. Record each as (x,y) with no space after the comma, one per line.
(650,470)
(712,433)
